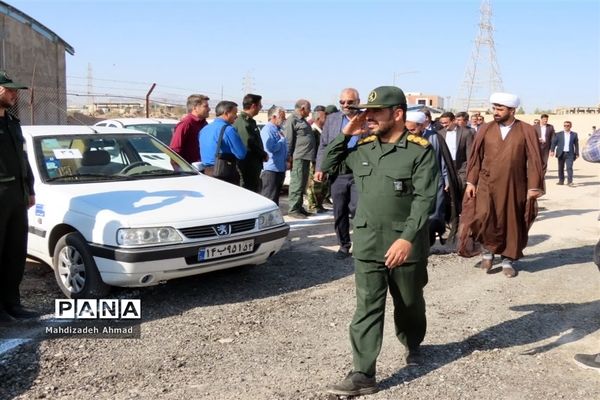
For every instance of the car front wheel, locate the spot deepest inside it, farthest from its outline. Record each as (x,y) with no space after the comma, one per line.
(75,270)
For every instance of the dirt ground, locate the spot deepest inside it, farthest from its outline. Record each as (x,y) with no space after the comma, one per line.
(279,331)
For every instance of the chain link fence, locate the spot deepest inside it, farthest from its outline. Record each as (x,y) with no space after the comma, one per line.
(41,105)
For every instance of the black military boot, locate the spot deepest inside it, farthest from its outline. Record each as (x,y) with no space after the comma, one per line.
(355,384)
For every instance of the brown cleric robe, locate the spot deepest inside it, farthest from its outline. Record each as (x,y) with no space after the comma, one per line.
(502,171)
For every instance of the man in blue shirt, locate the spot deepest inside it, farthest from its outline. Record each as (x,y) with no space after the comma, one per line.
(275,144)
(232,148)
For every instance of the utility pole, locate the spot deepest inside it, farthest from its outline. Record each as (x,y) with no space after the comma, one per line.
(482,75)
(90,91)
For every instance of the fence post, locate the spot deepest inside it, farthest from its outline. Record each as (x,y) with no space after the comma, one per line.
(148,100)
(31,108)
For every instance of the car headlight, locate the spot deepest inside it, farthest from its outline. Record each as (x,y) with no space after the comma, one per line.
(270,218)
(146,236)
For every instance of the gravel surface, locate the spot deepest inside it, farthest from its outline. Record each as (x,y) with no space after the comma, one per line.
(279,331)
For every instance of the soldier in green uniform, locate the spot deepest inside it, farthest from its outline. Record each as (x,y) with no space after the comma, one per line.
(396,177)
(251,166)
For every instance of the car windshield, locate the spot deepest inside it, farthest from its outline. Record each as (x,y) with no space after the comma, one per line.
(162,132)
(106,157)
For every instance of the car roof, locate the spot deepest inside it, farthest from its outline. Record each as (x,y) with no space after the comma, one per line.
(45,130)
(140,121)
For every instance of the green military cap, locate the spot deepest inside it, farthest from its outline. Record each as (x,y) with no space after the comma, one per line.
(330,109)
(6,82)
(384,97)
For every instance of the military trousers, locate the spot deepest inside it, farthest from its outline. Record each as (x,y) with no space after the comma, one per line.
(405,284)
(13,242)
(298,182)
(250,176)
(315,191)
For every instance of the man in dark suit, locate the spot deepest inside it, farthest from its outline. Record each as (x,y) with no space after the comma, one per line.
(343,192)
(545,132)
(459,141)
(566,147)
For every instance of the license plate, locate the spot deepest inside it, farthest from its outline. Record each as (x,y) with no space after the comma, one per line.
(224,250)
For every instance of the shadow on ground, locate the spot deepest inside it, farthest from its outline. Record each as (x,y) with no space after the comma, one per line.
(556,258)
(541,322)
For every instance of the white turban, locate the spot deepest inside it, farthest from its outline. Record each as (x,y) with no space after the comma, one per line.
(505,99)
(415,116)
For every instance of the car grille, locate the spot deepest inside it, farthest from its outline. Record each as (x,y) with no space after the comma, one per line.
(208,231)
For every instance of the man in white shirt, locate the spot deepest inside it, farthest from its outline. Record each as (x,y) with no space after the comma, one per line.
(566,147)
(545,133)
(459,141)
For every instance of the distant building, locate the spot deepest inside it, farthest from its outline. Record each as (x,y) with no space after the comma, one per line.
(578,110)
(119,107)
(34,55)
(431,100)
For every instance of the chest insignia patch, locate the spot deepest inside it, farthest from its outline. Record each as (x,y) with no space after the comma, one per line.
(398,186)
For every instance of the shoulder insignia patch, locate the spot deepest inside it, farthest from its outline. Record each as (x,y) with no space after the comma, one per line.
(367,139)
(418,140)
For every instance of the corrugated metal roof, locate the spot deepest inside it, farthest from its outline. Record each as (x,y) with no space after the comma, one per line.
(37,26)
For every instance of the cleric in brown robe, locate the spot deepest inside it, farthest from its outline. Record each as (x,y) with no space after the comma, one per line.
(504,179)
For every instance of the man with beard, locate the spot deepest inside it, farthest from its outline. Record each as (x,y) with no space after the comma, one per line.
(275,144)
(16,196)
(504,179)
(301,151)
(343,192)
(245,124)
(396,176)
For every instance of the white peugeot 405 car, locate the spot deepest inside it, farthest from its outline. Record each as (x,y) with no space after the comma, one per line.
(105,215)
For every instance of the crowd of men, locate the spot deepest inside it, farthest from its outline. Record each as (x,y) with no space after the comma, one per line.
(298,142)
(413,177)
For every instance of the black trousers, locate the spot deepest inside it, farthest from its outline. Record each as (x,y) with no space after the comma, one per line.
(272,182)
(13,242)
(345,198)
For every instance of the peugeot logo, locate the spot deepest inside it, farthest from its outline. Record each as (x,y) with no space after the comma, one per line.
(223,229)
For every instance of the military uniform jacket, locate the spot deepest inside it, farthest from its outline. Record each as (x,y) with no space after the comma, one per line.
(397,186)
(300,138)
(14,166)
(250,135)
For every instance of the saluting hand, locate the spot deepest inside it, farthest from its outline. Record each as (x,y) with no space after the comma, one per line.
(397,253)
(357,125)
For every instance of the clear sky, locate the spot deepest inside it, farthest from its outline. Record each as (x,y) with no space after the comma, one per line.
(548,51)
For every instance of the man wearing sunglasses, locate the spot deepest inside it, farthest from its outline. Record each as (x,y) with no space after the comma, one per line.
(565,145)
(343,192)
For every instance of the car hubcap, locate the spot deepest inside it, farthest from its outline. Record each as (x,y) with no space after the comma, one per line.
(71,269)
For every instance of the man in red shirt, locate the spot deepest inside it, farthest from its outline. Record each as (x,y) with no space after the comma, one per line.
(185,138)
